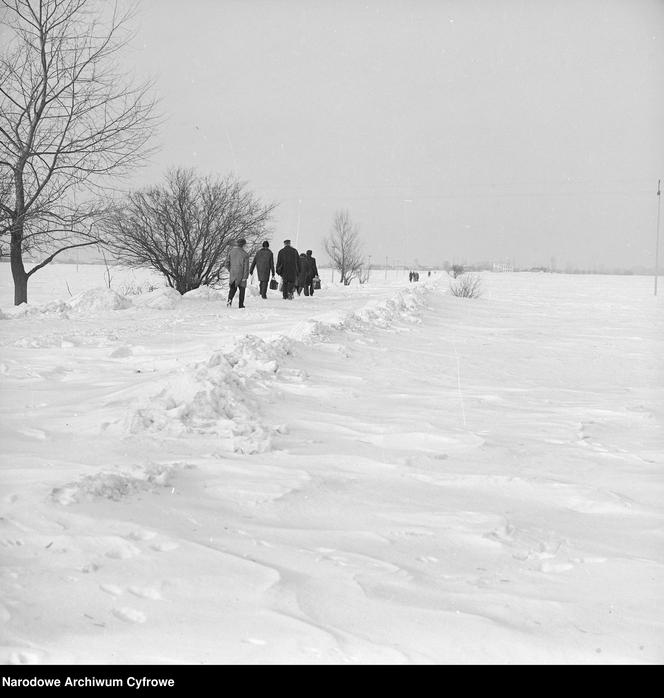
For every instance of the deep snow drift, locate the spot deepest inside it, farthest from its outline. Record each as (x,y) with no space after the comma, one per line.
(382,473)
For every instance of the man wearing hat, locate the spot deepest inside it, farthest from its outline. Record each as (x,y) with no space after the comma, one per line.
(288,267)
(238,271)
(264,264)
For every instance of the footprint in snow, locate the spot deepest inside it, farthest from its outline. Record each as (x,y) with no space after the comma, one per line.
(263,543)
(90,567)
(11,543)
(112,589)
(129,615)
(146,593)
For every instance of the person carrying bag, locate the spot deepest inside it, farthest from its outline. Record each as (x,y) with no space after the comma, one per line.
(264,265)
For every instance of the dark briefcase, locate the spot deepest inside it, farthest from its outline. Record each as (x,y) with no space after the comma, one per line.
(273,285)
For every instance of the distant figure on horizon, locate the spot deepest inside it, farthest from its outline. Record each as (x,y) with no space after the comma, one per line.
(288,267)
(264,264)
(238,271)
(313,274)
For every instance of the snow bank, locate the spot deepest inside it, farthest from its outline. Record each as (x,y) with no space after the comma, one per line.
(60,308)
(205,293)
(162,299)
(252,355)
(89,302)
(97,300)
(221,397)
(404,305)
(210,398)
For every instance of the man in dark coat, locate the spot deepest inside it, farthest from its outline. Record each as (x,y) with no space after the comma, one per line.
(313,271)
(303,275)
(264,264)
(288,267)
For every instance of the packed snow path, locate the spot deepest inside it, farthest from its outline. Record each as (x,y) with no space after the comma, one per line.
(455,483)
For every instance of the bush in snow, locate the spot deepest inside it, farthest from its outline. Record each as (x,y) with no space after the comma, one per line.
(467,286)
(185,227)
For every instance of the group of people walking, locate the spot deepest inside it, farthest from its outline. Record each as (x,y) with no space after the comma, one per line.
(298,272)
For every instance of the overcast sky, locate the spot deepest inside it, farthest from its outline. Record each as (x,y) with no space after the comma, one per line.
(451,130)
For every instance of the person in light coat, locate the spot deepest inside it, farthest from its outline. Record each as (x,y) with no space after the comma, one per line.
(264,264)
(238,271)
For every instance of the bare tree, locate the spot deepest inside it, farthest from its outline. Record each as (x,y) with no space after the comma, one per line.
(184,228)
(343,247)
(68,119)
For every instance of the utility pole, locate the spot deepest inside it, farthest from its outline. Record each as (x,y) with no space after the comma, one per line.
(659,201)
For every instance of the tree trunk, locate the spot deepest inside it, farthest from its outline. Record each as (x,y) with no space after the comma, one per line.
(19,274)
(20,288)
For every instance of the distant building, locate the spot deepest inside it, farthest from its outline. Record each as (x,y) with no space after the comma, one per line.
(503,266)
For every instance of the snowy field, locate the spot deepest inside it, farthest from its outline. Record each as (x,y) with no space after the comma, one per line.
(378,474)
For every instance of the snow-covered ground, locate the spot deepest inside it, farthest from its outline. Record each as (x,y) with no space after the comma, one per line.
(378,474)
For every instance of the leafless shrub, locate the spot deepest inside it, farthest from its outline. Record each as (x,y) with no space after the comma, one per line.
(467,286)
(185,227)
(131,288)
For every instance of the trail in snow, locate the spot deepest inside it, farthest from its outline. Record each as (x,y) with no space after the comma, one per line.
(369,519)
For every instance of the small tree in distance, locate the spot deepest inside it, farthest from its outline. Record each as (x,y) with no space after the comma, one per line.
(343,247)
(184,228)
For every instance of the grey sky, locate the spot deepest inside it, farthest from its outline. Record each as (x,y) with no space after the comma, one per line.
(476,130)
